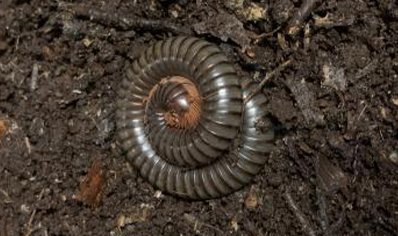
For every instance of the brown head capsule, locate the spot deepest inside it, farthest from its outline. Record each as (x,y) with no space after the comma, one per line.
(179,111)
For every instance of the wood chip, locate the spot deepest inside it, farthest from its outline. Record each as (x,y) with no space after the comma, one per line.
(251,201)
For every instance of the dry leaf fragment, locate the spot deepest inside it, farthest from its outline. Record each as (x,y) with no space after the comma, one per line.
(330,177)
(5,128)
(91,189)
(2,128)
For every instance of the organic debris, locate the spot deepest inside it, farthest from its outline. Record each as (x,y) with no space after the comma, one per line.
(267,78)
(335,20)
(305,97)
(197,224)
(138,214)
(253,13)
(305,224)
(334,77)
(296,22)
(225,26)
(126,22)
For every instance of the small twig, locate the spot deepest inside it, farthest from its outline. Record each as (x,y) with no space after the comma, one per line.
(327,229)
(330,21)
(362,111)
(28,146)
(307,37)
(34,77)
(7,196)
(325,225)
(29,230)
(305,225)
(4,229)
(267,77)
(295,24)
(127,23)
(335,226)
(303,168)
(197,224)
(369,68)
(258,37)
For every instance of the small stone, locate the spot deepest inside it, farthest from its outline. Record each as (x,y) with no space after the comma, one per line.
(63,198)
(3,46)
(234,224)
(394,156)
(158,194)
(174,13)
(121,221)
(250,53)
(87,42)
(383,112)
(395,101)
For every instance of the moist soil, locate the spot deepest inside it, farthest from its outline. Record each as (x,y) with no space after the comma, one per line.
(334,106)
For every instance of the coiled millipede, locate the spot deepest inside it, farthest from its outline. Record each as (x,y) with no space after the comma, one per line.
(183,122)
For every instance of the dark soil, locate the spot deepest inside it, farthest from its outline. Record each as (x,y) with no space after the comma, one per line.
(334,170)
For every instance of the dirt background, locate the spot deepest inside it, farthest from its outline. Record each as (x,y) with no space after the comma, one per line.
(335,165)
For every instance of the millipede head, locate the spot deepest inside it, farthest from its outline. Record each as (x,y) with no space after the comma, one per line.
(181,103)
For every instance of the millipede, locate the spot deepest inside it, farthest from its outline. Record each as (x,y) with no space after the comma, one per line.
(185,121)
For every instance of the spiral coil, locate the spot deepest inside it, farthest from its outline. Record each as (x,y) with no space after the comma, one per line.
(182,121)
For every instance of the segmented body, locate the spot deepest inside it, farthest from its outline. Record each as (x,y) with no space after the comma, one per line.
(183,123)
